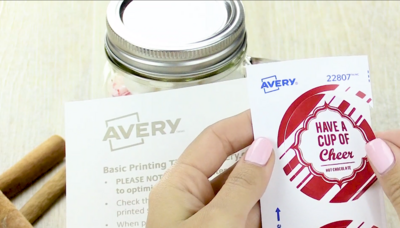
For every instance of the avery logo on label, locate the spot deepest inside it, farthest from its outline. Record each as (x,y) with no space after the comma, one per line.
(128,131)
(272,83)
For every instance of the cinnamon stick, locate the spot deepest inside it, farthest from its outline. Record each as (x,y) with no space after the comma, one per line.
(32,166)
(10,217)
(45,197)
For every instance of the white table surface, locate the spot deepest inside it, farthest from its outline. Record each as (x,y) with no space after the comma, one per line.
(52,52)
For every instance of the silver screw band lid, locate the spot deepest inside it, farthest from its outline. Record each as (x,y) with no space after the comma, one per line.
(166,39)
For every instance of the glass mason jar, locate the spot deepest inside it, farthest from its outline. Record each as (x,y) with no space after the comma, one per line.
(159,45)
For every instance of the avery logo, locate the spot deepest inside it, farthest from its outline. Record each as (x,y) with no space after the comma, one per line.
(271,83)
(127,131)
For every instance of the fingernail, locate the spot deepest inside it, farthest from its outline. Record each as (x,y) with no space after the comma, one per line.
(259,152)
(380,154)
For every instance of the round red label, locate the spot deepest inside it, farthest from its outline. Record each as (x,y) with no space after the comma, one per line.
(323,139)
(347,224)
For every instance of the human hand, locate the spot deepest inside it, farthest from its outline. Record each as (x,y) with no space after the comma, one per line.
(185,198)
(384,155)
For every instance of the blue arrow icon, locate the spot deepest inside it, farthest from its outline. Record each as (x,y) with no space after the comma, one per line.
(277,214)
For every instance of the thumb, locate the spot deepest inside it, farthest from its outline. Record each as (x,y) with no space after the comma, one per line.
(246,183)
(385,159)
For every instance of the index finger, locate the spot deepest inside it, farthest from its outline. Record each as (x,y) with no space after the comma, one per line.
(211,148)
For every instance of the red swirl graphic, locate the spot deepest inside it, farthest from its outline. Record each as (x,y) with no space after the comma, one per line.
(312,104)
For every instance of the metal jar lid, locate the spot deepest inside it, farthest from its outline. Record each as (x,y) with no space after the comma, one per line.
(174,40)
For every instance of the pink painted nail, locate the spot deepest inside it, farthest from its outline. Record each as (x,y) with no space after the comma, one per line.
(380,154)
(259,152)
